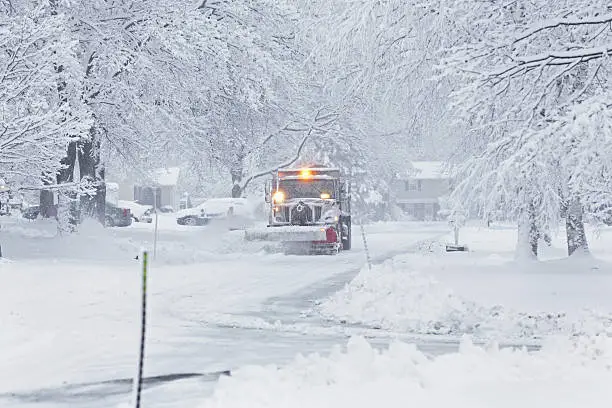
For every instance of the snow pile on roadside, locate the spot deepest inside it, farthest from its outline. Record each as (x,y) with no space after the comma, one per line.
(392,296)
(562,374)
(23,229)
(28,240)
(25,240)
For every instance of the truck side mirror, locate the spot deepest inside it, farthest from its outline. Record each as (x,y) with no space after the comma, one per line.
(344,190)
(267,191)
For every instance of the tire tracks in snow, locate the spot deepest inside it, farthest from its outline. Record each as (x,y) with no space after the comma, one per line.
(292,312)
(97,391)
(282,314)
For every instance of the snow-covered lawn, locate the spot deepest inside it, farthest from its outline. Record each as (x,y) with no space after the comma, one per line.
(69,312)
(563,374)
(483,292)
(69,306)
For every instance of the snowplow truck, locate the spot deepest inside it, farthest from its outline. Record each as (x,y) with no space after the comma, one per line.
(309,211)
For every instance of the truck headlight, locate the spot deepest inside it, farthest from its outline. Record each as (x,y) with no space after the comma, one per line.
(278,197)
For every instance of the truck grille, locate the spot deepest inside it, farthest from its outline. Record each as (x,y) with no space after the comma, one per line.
(310,214)
(301,214)
(317,212)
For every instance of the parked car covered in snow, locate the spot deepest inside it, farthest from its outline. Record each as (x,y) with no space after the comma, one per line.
(32,212)
(166,209)
(147,216)
(140,212)
(117,216)
(237,210)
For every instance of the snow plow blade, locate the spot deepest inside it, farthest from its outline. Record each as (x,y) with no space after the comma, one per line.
(286,234)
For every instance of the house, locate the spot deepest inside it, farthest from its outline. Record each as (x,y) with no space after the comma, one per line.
(159,189)
(418,191)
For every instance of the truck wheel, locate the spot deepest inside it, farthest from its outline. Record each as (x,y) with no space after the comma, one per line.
(191,221)
(346,242)
(109,222)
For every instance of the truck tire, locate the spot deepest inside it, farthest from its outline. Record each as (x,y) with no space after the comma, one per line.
(346,242)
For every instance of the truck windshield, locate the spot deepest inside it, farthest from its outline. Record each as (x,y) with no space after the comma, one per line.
(307,188)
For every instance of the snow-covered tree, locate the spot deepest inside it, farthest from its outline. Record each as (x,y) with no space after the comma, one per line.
(149,69)
(266,109)
(374,60)
(215,86)
(137,60)
(41,111)
(523,65)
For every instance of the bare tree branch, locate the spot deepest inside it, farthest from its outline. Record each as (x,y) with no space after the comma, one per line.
(289,162)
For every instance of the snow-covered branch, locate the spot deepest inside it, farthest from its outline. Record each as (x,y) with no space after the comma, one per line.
(533,87)
(548,25)
(287,163)
(528,63)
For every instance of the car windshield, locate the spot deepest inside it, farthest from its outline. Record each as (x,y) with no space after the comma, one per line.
(306,188)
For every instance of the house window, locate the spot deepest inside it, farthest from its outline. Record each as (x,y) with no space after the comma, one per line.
(413,185)
(409,209)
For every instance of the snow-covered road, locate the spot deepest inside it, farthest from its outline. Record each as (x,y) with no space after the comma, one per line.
(69,310)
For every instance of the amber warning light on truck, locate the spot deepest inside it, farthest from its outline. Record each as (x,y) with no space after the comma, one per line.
(305,174)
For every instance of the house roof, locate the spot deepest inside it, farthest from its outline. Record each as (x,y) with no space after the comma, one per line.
(166,176)
(427,170)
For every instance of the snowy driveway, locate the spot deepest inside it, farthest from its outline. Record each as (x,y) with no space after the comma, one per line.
(69,310)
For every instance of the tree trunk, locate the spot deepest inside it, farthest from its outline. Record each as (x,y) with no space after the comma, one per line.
(236,191)
(236,174)
(46,201)
(528,235)
(66,209)
(87,152)
(66,213)
(101,193)
(87,163)
(92,170)
(534,232)
(46,197)
(574,225)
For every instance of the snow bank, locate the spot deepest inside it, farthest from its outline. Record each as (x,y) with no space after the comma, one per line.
(24,228)
(562,374)
(27,240)
(394,296)
(391,296)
